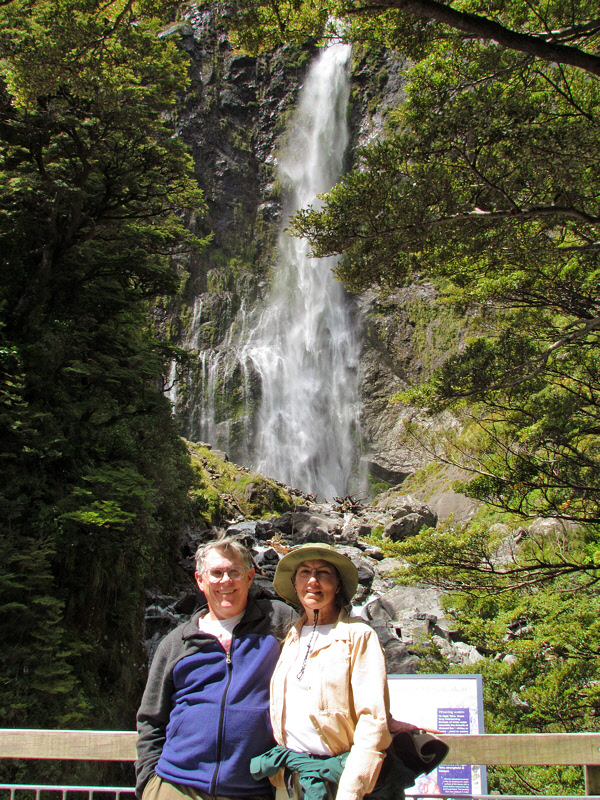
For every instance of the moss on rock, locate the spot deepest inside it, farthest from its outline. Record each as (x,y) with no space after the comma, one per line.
(222,489)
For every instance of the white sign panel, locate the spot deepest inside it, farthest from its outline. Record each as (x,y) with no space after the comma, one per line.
(449,704)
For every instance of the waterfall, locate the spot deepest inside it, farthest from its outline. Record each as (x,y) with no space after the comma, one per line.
(278,390)
(305,346)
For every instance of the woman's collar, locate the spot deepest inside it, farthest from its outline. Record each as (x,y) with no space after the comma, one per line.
(340,628)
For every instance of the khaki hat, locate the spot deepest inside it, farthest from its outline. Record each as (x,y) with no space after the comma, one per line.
(282,582)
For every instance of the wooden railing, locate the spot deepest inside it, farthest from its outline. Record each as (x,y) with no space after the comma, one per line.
(548,749)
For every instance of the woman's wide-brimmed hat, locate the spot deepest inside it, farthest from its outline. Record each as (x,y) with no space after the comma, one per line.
(282,582)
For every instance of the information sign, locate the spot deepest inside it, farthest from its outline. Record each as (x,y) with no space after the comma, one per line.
(449,704)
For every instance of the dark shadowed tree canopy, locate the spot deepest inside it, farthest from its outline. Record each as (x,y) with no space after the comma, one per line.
(93,191)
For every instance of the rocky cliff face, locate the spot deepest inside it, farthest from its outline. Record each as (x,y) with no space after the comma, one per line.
(231,118)
(234,120)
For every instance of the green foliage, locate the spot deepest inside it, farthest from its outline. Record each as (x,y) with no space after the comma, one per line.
(536,780)
(552,32)
(377,486)
(436,329)
(534,619)
(484,172)
(390,549)
(532,615)
(477,558)
(532,445)
(259,26)
(93,191)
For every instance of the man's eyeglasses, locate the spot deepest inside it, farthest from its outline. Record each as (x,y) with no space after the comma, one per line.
(215,575)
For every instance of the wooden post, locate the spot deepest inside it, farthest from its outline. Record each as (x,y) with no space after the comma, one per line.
(592,779)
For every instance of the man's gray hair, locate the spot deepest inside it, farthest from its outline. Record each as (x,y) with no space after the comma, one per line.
(230,545)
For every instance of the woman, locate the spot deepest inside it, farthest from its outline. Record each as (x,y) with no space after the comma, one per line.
(329,693)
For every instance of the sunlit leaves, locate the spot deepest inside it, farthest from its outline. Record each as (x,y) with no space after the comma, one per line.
(48,46)
(494,166)
(528,601)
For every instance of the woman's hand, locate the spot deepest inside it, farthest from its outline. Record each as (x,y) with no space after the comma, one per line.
(396,726)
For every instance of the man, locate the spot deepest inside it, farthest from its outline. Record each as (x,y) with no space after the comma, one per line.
(205,709)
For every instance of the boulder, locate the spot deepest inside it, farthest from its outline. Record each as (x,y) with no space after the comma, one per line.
(547,527)
(403,601)
(242,528)
(266,560)
(405,514)
(264,529)
(403,528)
(298,527)
(465,653)
(385,570)
(385,474)
(398,659)
(402,616)
(372,551)
(354,529)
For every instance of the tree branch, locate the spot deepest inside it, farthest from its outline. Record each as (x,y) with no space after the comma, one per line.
(534,45)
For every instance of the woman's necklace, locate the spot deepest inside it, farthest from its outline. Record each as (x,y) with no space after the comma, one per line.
(312,635)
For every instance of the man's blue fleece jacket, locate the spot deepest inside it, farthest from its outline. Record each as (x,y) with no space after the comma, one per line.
(204,716)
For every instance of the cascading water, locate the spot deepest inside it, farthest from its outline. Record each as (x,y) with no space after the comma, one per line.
(190,342)
(305,346)
(297,356)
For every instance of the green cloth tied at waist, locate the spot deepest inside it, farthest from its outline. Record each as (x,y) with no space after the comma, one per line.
(315,771)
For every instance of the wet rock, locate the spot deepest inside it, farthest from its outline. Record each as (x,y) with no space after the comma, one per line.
(165,612)
(268,556)
(264,529)
(247,527)
(266,560)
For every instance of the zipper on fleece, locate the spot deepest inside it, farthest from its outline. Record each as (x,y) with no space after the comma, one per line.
(213,785)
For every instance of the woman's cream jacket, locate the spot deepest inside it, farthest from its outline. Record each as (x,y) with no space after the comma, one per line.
(350,699)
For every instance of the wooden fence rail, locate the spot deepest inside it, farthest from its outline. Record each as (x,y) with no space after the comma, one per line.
(578,749)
